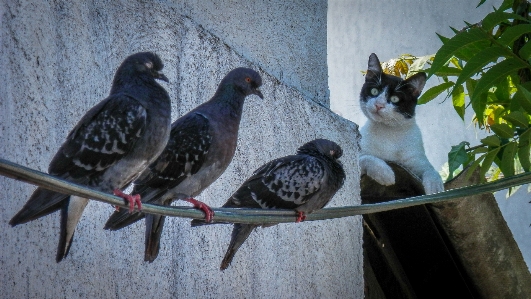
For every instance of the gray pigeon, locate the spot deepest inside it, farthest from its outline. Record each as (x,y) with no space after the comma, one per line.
(110,146)
(201,146)
(304,182)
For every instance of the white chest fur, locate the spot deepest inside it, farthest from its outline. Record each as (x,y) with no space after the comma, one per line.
(401,144)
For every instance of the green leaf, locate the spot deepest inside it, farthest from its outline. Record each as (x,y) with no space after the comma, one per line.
(503,91)
(487,162)
(479,107)
(446,71)
(506,4)
(502,130)
(454,30)
(472,50)
(525,51)
(517,118)
(433,92)
(443,39)
(471,86)
(525,138)
(523,96)
(479,150)
(492,140)
(458,100)
(494,75)
(523,156)
(478,62)
(507,162)
(472,167)
(454,45)
(513,33)
(481,2)
(496,17)
(457,156)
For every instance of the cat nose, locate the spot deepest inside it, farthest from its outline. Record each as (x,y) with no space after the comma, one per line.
(378,107)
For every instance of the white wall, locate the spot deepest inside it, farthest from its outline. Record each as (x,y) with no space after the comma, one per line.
(58,59)
(390,28)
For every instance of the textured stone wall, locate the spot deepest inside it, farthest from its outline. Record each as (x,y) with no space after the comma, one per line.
(58,59)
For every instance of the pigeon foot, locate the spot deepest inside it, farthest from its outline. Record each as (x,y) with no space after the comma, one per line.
(132,199)
(203,207)
(301,216)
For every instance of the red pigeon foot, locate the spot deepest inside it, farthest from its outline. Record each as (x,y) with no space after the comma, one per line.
(132,199)
(301,216)
(203,207)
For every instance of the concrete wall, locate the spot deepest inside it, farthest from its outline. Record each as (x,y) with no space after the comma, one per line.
(390,28)
(58,59)
(285,37)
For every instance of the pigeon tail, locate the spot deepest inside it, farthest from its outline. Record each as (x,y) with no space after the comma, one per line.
(41,203)
(240,233)
(154,225)
(71,212)
(122,218)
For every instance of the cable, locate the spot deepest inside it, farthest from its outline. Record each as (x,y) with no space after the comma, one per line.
(254,216)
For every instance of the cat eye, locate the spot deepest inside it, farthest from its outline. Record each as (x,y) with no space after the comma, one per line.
(375,91)
(394,99)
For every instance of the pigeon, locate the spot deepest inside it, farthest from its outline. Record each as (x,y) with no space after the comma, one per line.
(201,146)
(110,146)
(305,182)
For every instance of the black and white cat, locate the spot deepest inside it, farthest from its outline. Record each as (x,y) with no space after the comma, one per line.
(391,133)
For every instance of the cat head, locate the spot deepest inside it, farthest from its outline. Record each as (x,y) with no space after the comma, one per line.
(389,99)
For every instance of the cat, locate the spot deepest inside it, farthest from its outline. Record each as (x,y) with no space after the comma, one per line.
(391,132)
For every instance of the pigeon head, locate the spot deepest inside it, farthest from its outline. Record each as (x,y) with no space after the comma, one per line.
(245,80)
(323,147)
(144,65)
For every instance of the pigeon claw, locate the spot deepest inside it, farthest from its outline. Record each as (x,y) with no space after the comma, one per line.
(132,199)
(301,216)
(203,207)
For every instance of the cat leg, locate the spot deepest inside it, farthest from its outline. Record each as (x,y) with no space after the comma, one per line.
(377,169)
(432,182)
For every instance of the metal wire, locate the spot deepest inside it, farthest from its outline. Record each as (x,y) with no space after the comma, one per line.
(254,216)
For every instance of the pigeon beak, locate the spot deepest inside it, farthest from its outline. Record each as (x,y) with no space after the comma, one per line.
(161,76)
(257,92)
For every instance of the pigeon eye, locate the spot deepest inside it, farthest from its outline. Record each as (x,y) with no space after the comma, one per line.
(394,99)
(247,79)
(375,91)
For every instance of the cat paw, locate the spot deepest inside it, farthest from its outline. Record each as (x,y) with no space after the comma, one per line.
(377,169)
(432,183)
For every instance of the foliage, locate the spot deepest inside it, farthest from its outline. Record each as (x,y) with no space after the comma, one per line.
(486,66)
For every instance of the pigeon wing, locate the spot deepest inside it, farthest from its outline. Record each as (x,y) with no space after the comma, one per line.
(284,183)
(184,155)
(107,133)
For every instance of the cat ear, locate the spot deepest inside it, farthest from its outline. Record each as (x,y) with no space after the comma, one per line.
(417,83)
(374,67)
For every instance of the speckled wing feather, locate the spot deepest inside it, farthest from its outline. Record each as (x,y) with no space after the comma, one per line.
(183,156)
(284,183)
(101,138)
